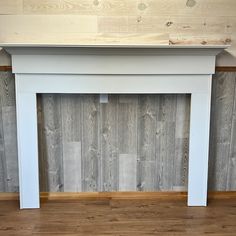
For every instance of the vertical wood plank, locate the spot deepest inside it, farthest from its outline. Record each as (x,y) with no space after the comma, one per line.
(9,161)
(109,145)
(180,179)
(90,144)
(10,147)
(43,159)
(53,142)
(127,172)
(147,121)
(3,170)
(72,166)
(165,140)
(71,112)
(7,88)
(127,136)
(231,171)
(127,120)
(221,125)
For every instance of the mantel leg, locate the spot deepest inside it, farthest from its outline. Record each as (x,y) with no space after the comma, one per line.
(27,149)
(198,149)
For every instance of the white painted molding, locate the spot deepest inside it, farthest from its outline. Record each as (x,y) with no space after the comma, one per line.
(104,70)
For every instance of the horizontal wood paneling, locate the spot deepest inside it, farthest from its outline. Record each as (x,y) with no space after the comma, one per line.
(146,135)
(199,8)
(72,21)
(53,29)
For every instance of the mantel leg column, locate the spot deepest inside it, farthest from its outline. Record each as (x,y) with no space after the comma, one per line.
(199,148)
(27,148)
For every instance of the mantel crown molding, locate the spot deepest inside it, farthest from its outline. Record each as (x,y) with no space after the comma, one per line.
(108,59)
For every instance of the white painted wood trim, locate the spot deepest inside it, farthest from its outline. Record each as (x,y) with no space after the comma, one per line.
(108,84)
(59,69)
(27,140)
(28,85)
(199,147)
(114,64)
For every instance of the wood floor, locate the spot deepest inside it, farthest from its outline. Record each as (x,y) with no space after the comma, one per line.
(108,216)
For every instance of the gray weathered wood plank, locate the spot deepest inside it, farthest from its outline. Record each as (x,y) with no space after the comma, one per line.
(10,147)
(165,141)
(109,144)
(91,159)
(71,115)
(3,170)
(53,141)
(147,122)
(182,122)
(221,125)
(231,171)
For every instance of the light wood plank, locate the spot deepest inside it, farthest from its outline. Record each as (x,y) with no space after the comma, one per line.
(127,172)
(72,166)
(44,29)
(131,7)
(10,7)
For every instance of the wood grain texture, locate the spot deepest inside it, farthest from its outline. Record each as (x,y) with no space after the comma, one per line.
(175,22)
(124,7)
(25,28)
(91,162)
(221,129)
(109,144)
(52,155)
(10,7)
(147,134)
(134,217)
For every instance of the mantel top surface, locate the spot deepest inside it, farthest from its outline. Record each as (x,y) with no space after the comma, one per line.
(116,45)
(109,41)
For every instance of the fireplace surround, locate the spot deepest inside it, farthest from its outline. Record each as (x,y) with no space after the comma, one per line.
(112,69)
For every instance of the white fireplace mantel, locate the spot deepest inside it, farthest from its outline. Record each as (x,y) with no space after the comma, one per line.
(139,69)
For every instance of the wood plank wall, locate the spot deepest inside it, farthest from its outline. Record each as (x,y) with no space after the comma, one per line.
(133,142)
(74,21)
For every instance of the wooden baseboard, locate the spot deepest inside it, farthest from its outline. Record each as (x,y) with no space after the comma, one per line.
(218,68)
(116,195)
(226,69)
(5,68)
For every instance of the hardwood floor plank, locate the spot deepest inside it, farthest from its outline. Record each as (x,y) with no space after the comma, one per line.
(120,217)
